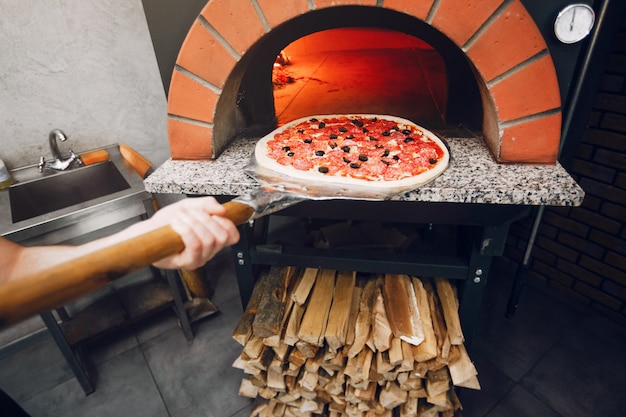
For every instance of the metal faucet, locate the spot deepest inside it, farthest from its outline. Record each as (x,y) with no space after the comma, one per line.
(58,164)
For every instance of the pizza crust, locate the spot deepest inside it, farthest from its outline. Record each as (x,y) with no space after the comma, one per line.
(405,184)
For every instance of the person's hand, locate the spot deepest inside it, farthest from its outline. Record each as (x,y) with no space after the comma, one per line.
(202,227)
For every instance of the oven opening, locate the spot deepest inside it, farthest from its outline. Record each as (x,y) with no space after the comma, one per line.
(358,70)
(349,59)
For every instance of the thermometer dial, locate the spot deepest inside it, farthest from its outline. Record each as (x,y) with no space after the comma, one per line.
(574,23)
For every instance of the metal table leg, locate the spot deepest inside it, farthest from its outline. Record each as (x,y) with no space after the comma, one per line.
(76,363)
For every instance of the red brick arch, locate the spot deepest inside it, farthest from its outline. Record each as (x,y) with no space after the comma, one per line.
(514,71)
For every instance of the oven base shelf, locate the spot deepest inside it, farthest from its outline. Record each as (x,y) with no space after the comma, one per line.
(362,261)
(478,235)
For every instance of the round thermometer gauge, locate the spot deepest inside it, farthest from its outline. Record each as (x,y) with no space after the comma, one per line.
(574,23)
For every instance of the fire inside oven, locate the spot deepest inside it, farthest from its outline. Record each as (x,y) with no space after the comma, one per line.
(351,62)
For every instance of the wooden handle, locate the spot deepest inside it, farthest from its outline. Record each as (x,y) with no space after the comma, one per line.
(69,281)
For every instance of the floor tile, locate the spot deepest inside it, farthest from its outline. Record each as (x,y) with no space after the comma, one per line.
(35,369)
(584,375)
(520,403)
(125,388)
(516,345)
(196,377)
(494,386)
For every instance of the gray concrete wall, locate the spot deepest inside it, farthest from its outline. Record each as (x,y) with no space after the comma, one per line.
(85,66)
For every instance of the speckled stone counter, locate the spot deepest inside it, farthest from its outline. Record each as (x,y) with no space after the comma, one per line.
(473,176)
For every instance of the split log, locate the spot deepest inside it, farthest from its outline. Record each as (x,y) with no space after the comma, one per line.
(268,320)
(338,318)
(401,308)
(315,317)
(301,293)
(450,306)
(426,350)
(364,318)
(381,332)
(243,331)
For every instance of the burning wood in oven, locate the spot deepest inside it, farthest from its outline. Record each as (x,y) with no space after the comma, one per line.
(280,74)
(322,342)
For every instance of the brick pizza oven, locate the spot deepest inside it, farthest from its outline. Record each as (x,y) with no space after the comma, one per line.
(497,65)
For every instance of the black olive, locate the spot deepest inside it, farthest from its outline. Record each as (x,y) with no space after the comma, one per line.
(379,146)
(357,122)
(406,132)
(408,139)
(362,157)
(319,153)
(350,137)
(323,170)
(321,125)
(355,165)
(396,157)
(333,145)
(333,136)
(365,130)
(371,138)
(346,160)
(386,133)
(313,119)
(433,160)
(345,148)
(290,154)
(308,140)
(386,153)
(286,148)
(384,162)
(300,130)
(343,129)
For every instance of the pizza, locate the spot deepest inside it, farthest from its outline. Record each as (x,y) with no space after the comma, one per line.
(383,152)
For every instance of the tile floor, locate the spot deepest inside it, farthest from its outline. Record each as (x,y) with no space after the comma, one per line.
(553,359)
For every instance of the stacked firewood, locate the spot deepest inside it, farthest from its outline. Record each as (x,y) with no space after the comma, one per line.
(321,342)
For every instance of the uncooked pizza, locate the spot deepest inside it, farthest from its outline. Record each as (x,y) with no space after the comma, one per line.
(373,150)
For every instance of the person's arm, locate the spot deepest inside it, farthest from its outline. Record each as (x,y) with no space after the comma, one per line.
(199,222)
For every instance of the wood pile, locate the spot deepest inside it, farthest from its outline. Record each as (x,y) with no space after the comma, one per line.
(321,342)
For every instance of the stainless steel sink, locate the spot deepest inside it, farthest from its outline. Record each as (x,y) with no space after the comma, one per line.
(53,207)
(46,194)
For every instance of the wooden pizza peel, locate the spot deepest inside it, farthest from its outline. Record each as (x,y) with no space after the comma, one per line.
(73,279)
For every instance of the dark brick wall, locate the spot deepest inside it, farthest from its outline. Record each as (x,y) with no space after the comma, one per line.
(581,251)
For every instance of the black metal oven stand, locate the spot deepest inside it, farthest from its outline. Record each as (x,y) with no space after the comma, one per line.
(481,232)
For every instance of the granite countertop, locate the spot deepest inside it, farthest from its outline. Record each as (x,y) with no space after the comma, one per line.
(473,176)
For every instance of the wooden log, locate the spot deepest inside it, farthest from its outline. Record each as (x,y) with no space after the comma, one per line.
(302,291)
(392,396)
(364,319)
(338,318)
(247,389)
(381,332)
(315,319)
(437,382)
(407,357)
(243,330)
(461,367)
(269,317)
(276,381)
(401,308)
(395,352)
(450,307)
(383,363)
(254,347)
(426,350)
(354,313)
(290,336)
(409,408)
